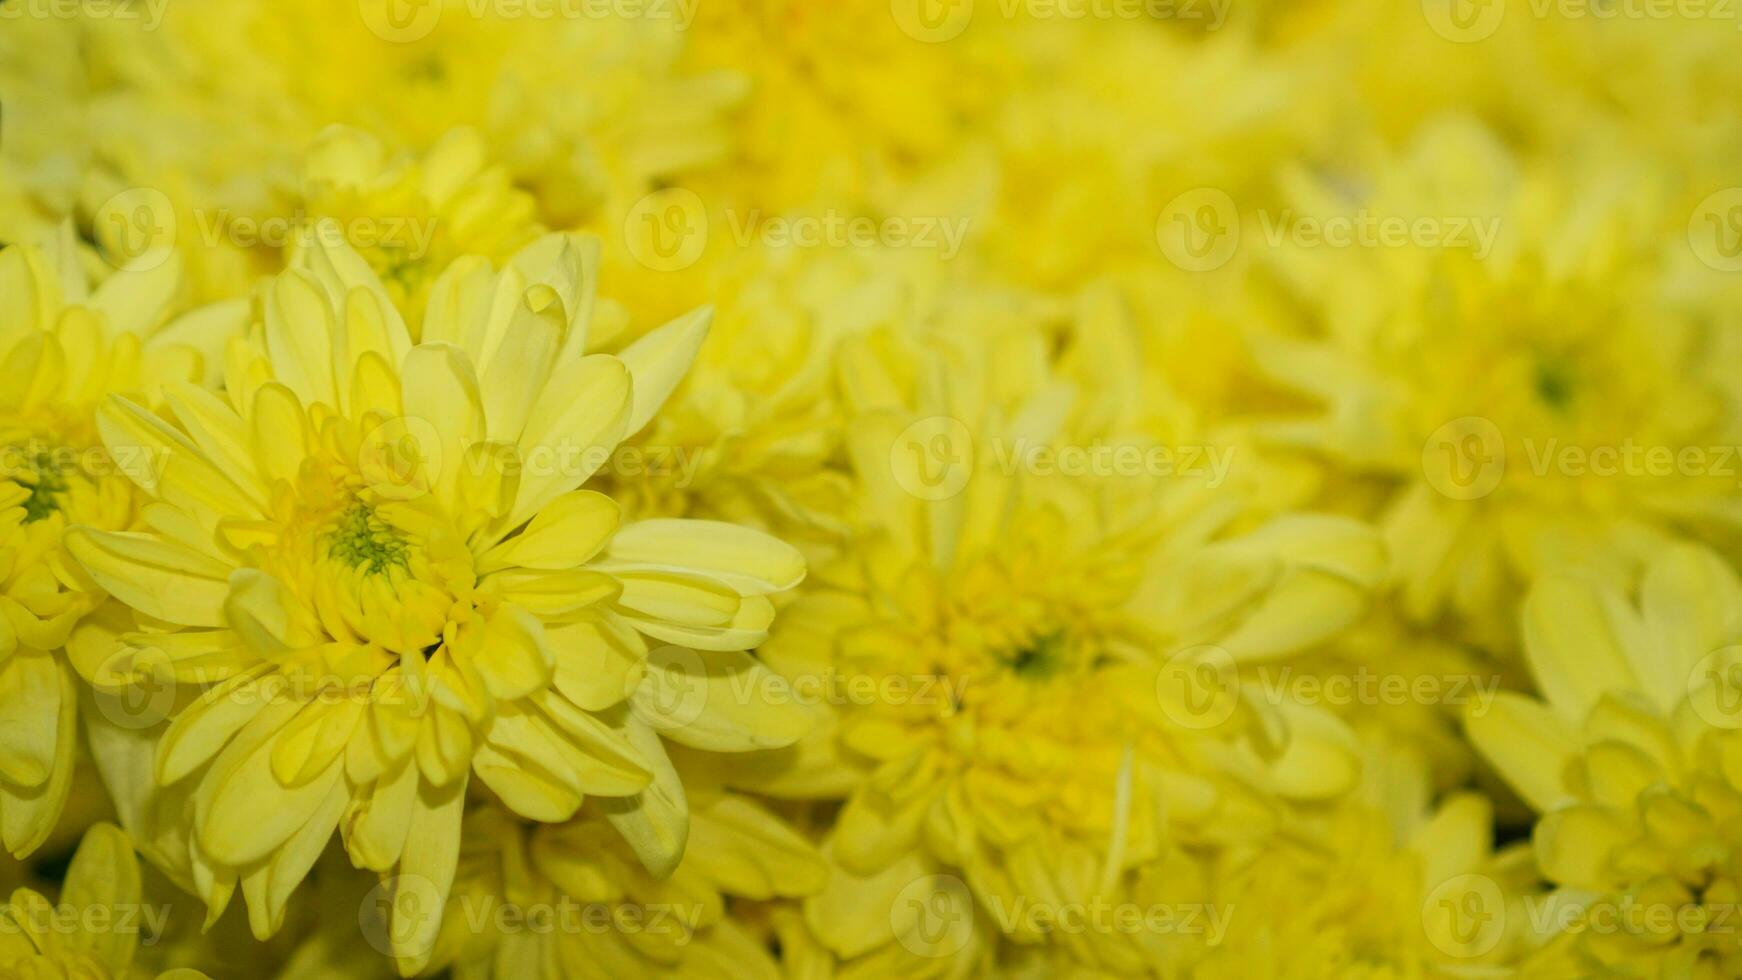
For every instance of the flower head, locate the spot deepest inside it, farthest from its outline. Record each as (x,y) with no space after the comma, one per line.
(63,348)
(374,562)
(591,909)
(1630,759)
(93,932)
(991,651)
(1526,391)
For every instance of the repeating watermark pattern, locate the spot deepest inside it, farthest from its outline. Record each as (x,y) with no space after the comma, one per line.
(1714,688)
(1467,916)
(34,456)
(1467,458)
(137,687)
(1469,21)
(410,21)
(833,229)
(1100,917)
(934,916)
(937,21)
(933,458)
(411,235)
(1200,230)
(1715,230)
(668,230)
(137,227)
(680,684)
(392,915)
(936,457)
(1099,458)
(144,921)
(148,14)
(1372,688)
(1201,687)
(402,458)
(1464,21)
(1364,228)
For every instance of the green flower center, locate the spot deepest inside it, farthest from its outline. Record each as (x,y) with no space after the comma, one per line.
(45,476)
(362,540)
(1554,384)
(1040,659)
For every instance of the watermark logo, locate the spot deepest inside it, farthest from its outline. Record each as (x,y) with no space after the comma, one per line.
(137,228)
(932,21)
(832,229)
(1370,688)
(1199,687)
(1715,230)
(400,21)
(1364,228)
(1715,688)
(672,692)
(400,458)
(409,236)
(1464,21)
(134,687)
(933,458)
(667,230)
(75,923)
(1100,917)
(1199,230)
(148,14)
(1465,916)
(933,916)
(1464,459)
(392,915)
(936,21)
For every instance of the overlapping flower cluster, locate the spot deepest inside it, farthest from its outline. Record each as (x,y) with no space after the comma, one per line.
(773,489)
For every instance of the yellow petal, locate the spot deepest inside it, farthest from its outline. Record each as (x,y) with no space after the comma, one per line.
(432,851)
(1528,744)
(578,420)
(566,532)
(1573,639)
(655,821)
(104,874)
(659,360)
(749,561)
(154,576)
(720,701)
(440,390)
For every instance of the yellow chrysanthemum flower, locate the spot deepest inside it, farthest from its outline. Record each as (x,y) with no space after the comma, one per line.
(580,109)
(1631,756)
(845,103)
(988,651)
(1384,884)
(570,900)
(63,348)
(374,561)
(410,218)
(93,933)
(752,431)
(1521,383)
